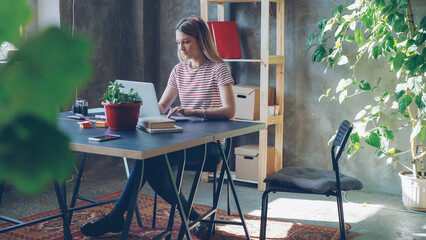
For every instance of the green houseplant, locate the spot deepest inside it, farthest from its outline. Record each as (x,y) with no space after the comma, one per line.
(121,108)
(382,30)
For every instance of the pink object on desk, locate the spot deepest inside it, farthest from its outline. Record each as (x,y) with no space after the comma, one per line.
(85,124)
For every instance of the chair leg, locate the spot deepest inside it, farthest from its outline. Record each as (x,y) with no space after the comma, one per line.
(264,215)
(341,217)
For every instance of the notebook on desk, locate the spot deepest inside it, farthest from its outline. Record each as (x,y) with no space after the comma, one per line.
(160,130)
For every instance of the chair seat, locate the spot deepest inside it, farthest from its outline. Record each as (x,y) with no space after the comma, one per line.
(312,180)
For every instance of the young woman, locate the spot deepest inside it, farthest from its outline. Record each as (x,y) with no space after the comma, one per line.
(204,85)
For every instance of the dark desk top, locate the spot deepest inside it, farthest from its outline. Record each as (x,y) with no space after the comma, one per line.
(138,144)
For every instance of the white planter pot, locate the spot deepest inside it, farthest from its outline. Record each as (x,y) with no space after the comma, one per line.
(413,191)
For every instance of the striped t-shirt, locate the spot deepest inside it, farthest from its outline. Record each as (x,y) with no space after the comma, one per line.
(199,88)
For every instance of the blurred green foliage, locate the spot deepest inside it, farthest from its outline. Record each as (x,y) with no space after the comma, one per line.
(36,80)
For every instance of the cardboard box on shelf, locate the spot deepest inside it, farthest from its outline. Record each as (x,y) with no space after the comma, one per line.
(247,99)
(247,161)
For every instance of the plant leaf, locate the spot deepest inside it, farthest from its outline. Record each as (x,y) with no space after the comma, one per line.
(420,101)
(337,11)
(310,39)
(403,102)
(367,21)
(414,62)
(364,85)
(29,161)
(398,61)
(342,60)
(377,52)
(13,14)
(416,84)
(373,140)
(343,83)
(415,132)
(50,81)
(386,132)
(321,23)
(360,114)
(354,144)
(350,38)
(319,54)
(359,36)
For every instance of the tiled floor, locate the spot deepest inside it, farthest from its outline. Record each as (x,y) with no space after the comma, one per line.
(374,216)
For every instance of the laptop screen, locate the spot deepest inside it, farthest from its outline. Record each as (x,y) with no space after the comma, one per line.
(146,91)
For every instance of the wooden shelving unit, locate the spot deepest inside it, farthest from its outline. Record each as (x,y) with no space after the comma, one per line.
(266,166)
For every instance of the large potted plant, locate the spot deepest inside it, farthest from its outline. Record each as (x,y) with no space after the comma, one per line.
(121,108)
(382,30)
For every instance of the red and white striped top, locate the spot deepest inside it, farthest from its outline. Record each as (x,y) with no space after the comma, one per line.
(199,87)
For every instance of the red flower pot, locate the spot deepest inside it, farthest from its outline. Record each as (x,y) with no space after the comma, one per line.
(122,116)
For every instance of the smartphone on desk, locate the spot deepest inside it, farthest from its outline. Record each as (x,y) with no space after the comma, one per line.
(104,138)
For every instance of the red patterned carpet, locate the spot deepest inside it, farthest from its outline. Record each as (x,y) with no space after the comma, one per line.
(277,229)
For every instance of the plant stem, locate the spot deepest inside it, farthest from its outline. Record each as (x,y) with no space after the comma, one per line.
(410,22)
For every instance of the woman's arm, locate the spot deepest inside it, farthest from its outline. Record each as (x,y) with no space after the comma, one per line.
(227,111)
(169,96)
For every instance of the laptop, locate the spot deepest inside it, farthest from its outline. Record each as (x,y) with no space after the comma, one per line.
(146,91)
(149,106)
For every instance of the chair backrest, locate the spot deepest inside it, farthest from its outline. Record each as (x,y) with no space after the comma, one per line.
(340,140)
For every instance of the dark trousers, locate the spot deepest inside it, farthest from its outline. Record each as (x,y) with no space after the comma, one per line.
(156,173)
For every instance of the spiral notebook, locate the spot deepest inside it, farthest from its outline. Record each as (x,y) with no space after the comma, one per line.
(160,130)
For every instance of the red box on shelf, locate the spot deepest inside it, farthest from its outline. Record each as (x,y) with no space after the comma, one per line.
(226,39)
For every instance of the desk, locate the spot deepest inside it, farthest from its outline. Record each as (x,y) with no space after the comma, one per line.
(140,145)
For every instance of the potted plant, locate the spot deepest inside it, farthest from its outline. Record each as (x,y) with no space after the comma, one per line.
(382,30)
(121,108)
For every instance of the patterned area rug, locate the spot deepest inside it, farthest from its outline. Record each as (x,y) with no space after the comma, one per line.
(277,229)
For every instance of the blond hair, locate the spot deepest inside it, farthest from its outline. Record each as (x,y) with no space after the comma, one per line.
(196,27)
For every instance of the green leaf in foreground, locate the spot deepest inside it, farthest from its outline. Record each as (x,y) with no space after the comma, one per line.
(43,75)
(13,14)
(32,153)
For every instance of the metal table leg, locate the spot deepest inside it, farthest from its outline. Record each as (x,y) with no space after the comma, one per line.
(63,207)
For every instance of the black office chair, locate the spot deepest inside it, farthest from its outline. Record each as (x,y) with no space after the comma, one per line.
(210,168)
(313,181)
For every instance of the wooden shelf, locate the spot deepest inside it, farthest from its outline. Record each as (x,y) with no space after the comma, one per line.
(242,60)
(266,165)
(276,59)
(272,120)
(273,59)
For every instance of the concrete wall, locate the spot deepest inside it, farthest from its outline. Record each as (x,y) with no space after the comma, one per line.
(136,40)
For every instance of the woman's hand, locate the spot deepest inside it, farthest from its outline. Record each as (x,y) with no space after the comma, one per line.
(180,111)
